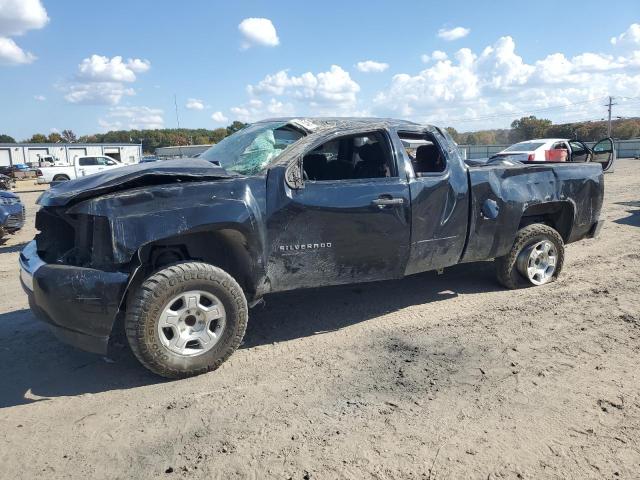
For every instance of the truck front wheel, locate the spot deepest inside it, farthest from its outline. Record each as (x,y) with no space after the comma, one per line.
(536,258)
(186,319)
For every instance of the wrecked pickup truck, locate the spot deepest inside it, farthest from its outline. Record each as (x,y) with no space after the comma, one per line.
(176,252)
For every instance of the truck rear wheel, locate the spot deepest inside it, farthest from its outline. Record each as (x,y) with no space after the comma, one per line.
(61,178)
(186,319)
(536,258)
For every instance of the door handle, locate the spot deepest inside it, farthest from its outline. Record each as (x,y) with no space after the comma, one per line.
(385,201)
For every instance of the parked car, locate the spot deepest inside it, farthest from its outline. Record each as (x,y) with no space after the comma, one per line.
(6,183)
(82,166)
(12,213)
(562,150)
(179,250)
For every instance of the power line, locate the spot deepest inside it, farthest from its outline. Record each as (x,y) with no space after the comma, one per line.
(524,112)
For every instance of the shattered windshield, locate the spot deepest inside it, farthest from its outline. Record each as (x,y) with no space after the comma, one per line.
(251,150)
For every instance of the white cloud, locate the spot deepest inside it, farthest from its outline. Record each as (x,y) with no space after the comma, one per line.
(97,93)
(140,118)
(194,104)
(98,68)
(256,109)
(19,16)
(16,18)
(334,86)
(499,81)
(502,66)
(12,54)
(39,98)
(436,55)
(258,31)
(102,80)
(453,33)
(219,117)
(369,66)
(631,37)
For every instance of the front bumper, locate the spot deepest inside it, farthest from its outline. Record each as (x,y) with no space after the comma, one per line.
(80,304)
(12,217)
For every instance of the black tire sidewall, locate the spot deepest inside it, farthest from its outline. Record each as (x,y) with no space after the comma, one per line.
(525,238)
(154,298)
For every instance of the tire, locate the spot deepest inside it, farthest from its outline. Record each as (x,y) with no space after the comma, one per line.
(511,267)
(147,313)
(61,178)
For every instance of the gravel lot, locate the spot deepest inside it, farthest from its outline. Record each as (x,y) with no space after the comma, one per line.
(433,376)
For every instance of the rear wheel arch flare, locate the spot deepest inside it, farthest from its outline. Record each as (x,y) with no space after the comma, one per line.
(559,215)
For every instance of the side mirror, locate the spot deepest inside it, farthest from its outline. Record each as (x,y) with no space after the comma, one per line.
(294,175)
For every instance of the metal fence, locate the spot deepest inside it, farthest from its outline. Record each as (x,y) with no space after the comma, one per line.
(624,149)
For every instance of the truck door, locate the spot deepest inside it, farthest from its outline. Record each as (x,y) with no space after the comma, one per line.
(604,153)
(349,223)
(579,151)
(86,166)
(439,200)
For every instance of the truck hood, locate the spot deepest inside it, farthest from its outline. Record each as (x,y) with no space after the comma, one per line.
(156,173)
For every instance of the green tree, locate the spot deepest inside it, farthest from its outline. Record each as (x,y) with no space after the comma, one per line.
(235,126)
(55,137)
(69,137)
(530,127)
(38,138)
(454,134)
(7,139)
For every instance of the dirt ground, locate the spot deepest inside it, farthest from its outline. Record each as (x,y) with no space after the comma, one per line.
(433,376)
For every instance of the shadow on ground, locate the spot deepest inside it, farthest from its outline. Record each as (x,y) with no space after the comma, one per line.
(36,366)
(634,215)
(11,248)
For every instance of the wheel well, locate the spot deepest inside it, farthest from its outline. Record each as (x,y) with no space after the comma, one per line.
(227,249)
(61,176)
(557,215)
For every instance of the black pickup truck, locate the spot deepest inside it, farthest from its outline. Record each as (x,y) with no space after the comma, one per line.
(177,251)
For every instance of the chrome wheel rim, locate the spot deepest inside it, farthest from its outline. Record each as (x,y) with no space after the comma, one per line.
(192,323)
(538,262)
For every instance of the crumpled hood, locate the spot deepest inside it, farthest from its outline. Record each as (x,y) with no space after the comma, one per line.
(122,178)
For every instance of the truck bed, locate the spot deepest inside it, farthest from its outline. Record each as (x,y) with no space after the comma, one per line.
(505,194)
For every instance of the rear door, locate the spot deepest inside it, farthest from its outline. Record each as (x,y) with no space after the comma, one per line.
(604,153)
(439,201)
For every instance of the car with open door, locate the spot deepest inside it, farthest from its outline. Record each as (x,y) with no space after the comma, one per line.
(562,150)
(176,252)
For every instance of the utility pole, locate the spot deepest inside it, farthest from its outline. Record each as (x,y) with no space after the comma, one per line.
(611,104)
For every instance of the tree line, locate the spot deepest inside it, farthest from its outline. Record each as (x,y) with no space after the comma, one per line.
(150,139)
(522,129)
(526,128)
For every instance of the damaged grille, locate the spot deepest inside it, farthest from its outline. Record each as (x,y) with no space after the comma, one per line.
(79,240)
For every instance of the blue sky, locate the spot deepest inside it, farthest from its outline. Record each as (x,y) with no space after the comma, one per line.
(93,66)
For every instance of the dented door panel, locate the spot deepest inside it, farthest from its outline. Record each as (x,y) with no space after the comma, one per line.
(336,232)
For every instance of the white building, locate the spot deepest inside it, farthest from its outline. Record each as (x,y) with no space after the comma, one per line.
(181,151)
(64,153)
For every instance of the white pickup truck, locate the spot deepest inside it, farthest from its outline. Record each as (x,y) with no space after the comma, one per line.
(81,167)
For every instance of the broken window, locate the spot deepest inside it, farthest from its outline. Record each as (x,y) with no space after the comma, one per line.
(251,150)
(424,152)
(350,157)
